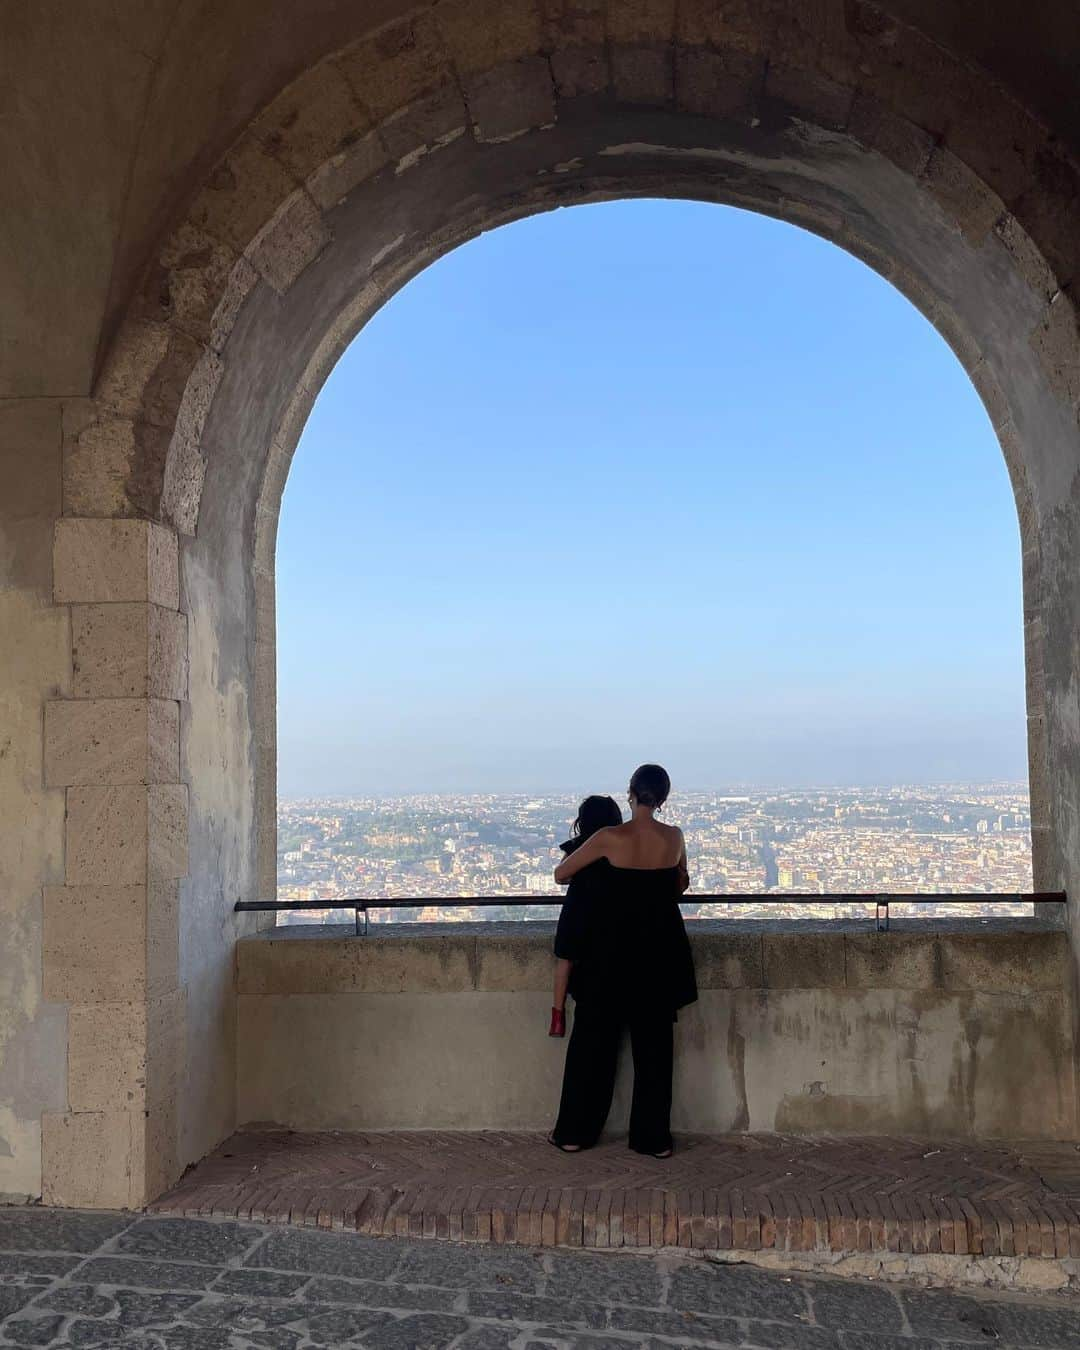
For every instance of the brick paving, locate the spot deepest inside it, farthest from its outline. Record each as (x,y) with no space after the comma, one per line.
(736,1192)
(86,1280)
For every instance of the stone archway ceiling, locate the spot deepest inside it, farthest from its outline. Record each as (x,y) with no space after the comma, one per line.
(114,116)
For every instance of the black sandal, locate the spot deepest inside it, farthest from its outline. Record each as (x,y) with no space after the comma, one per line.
(663,1155)
(564,1148)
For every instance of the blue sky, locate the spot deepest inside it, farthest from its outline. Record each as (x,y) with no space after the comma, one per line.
(647,480)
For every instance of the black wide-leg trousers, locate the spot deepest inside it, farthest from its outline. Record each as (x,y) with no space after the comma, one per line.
(589,1077)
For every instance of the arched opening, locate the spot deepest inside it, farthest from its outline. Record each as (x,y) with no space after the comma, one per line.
(325,208)
(664,446)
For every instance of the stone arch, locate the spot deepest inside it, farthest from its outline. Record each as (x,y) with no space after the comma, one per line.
(401,146)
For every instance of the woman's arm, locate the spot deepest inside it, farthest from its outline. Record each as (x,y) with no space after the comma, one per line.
(593,848)
(684,870)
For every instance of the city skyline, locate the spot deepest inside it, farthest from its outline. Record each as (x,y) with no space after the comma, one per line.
(971,838)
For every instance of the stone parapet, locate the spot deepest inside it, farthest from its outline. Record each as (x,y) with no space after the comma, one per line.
(964,1033)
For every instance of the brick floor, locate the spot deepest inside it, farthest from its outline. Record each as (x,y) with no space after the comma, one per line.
(736,1192)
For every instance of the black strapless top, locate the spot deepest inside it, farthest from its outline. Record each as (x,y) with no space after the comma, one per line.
(628,939)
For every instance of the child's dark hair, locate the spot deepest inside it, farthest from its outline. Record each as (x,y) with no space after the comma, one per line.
(650,785)
(595,813)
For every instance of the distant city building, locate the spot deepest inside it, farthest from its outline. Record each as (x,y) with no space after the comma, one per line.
(919,839)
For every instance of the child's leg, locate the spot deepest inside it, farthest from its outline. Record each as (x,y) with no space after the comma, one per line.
(558,1005)
(562,980)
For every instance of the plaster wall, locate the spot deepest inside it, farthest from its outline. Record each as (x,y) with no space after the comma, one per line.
(217,763)
(960,1035)
(35,664)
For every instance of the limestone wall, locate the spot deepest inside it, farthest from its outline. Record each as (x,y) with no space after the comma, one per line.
(35,662)
(962,1034)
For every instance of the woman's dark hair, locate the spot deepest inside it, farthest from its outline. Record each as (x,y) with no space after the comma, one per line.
(650,785)
(594,814)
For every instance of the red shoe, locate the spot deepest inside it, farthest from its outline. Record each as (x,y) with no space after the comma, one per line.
(558,1022)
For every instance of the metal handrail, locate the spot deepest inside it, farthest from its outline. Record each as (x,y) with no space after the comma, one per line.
(880,900)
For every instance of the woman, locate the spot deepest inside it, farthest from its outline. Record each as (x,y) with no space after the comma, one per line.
(635,971)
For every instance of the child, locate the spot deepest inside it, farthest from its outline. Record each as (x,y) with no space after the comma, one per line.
(594,813)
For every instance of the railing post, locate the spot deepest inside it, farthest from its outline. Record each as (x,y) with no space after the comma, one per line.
(882,904)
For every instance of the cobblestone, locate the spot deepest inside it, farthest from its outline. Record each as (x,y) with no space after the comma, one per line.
(198,1284)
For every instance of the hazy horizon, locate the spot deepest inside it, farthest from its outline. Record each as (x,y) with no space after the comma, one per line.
(692,789)
(647,480)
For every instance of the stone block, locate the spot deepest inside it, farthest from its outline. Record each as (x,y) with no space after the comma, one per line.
(1056,344)
(511,99)
(728,960)
(719,83)
(332,182)
(94,944)
(891,961)
(289,242)
(166,1018)
(165,389)
(963,197)
(97,461)
(163,740)
(580,70)
(106,839)
(138,351)
(642,21)
(241,280)
(191,275)
(917,81)
(804,960)
(397,65)
(202,379)
(87,1159)
(107,560)
(879,128)
(1029,262)
(162,936)
(805,94)
(155,1150)
(1047,211)
(1012,963)
(242,194)
(167,655)
(643,74)
(107,1057)
(91,742)
(311,120)
(434,120)
(129,650)
(481,33)
(167,831)
(996,137)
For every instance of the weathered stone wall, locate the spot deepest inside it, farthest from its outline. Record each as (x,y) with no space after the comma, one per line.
(916,1032)
(35,664)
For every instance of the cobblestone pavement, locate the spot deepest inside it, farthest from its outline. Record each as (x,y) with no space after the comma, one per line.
(85,1280)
